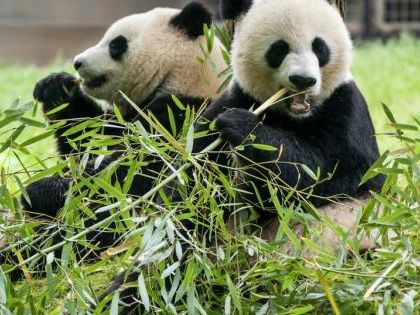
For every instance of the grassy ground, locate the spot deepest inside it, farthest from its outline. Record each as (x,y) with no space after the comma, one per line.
(387,73)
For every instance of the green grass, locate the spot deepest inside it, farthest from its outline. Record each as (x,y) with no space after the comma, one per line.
(389,73)
(390,282)
(17,83)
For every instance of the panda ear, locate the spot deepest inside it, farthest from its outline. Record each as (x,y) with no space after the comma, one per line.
(233,9)
(191,19)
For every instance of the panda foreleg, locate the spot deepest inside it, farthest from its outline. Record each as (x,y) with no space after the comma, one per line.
(61,88)
(241,127)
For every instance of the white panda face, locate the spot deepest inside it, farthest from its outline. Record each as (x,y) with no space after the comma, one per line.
(143,53)
(102,67)
(302,45)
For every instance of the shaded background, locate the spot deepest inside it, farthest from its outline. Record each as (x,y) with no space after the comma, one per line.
(40,31)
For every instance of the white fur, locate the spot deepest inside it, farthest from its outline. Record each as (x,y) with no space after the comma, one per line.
(157,53)
(337,229)
(326,233)
(298,22)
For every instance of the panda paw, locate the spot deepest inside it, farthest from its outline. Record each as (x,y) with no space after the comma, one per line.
(56,89)
(235,125)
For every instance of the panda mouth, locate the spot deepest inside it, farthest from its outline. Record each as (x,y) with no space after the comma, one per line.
(299,103)
(96,82)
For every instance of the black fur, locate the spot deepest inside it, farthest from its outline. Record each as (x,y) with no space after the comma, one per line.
(276,53)
(232,9)
(322,51)
(338,137)
(47,196)
(118,47)
(128,295)
(51,93)
(191,20)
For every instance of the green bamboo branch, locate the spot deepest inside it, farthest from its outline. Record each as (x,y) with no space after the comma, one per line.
(271,101)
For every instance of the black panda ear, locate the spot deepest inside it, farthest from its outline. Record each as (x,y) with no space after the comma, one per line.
(191,19)
(233,9)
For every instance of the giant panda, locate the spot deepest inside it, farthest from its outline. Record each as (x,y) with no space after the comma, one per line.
(304,46)
(149,57)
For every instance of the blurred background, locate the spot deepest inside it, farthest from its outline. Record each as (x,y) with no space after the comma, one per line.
(39,31)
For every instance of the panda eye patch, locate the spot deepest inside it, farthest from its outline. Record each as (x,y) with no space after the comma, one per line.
(322,51)
(118,47)
(276,53)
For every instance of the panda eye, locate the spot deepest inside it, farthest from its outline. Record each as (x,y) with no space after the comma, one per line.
(118,47)
(276,53)
(321,50)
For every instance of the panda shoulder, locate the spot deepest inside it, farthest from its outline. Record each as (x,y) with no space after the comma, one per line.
(233,97)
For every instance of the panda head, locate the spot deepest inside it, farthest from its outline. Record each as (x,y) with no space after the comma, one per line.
(301,45)
(144,54)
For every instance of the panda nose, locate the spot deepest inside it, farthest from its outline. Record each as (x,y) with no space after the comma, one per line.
(301,82)
(77,64)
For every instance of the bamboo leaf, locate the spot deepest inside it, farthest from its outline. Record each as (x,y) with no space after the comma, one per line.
(57,109)
(172,122)
(114,304)
(190,139)
(264,147)
(389,114)
(228,305)
(234,294)
(81,126)
(111,190)
(309,172)
(9,119)
(118,114)
(178,103)
(168,271)
(32,122)
(12,138)
(47,172)
(404,127)
(144,296)
(37,138)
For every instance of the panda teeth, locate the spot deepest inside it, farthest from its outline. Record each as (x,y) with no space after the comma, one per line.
(300,104)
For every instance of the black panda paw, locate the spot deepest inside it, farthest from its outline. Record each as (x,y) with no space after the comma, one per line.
(56,89)
(235,125)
